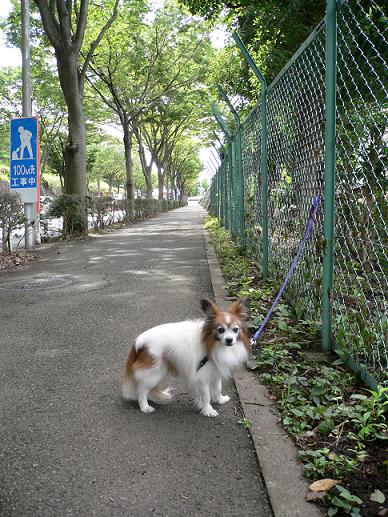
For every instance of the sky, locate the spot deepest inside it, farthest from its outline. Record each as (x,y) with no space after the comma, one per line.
(8,56)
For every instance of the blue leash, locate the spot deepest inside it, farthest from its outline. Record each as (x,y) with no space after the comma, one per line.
(307,234)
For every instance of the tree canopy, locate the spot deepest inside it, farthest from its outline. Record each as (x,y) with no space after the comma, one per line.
(272,30)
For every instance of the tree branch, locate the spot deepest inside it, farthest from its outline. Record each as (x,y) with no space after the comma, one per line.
(95,43)
(64,22)
(50,24)
(82,16)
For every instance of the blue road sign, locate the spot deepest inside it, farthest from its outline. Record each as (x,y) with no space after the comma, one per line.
(24,176)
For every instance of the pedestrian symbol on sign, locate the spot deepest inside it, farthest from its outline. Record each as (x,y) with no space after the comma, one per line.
(25,142)
(24,177)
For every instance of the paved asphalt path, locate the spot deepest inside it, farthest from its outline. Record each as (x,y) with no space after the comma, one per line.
(69,445)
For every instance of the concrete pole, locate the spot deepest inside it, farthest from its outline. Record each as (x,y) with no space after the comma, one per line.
(29,208)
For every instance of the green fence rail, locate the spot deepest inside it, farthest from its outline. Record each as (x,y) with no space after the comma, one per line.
(326,135)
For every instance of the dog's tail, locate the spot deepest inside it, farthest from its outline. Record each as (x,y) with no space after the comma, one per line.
(129,389)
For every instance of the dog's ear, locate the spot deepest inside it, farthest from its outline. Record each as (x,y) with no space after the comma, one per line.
(240,309)
(209,308)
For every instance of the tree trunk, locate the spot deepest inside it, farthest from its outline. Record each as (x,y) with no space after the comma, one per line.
(181,187)
(160,183)
(75,147)
(128,168)
(147,169)
(128,162)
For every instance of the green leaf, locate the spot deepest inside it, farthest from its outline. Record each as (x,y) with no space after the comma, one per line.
(297,412)
(358,396)
(348,496)
(326,426)
(282,325)
(341,503)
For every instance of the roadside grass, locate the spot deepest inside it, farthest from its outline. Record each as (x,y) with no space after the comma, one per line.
(338,426)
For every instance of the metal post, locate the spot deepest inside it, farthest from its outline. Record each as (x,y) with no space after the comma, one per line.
(217,138)
(231,193)
(239,190)
(222,194)
(228,134)
(29,208)
(217,115)
(264,151)
(218,212)
(329,175)
(214,160)
(216,149)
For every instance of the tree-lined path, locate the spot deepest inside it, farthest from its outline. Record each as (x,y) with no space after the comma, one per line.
(69,444)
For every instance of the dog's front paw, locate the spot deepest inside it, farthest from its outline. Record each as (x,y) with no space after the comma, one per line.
(209,411)
(147,409)
(223,399)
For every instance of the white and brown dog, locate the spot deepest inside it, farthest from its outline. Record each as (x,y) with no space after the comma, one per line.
(201,352)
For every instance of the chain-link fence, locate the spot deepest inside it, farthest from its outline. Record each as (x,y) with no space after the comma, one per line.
(360,255)
(296,108)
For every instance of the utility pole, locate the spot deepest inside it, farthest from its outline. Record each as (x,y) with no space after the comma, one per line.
(29,208)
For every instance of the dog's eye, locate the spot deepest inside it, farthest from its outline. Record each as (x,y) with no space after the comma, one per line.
(220,330)
(235,330)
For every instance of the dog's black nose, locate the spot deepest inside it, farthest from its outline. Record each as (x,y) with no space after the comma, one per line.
(228,341)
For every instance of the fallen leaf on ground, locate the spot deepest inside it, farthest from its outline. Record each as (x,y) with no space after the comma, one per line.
(377,496)
(314,496)
(322,485)
(11,260)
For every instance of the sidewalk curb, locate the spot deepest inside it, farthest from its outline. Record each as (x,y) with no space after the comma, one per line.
(275,450)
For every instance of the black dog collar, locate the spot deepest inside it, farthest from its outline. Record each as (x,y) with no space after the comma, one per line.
(203,362)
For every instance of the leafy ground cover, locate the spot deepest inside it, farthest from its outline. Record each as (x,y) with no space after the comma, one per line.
(12,260)
(338,426)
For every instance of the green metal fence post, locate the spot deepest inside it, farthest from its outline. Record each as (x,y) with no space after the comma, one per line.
(226,218)
(329,175)
(219,199)
(221,122)
(221,191)
(230,190)
(264,150)
(239,186)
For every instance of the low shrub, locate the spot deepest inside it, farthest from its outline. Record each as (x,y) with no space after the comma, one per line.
(70,207)
(11,215)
